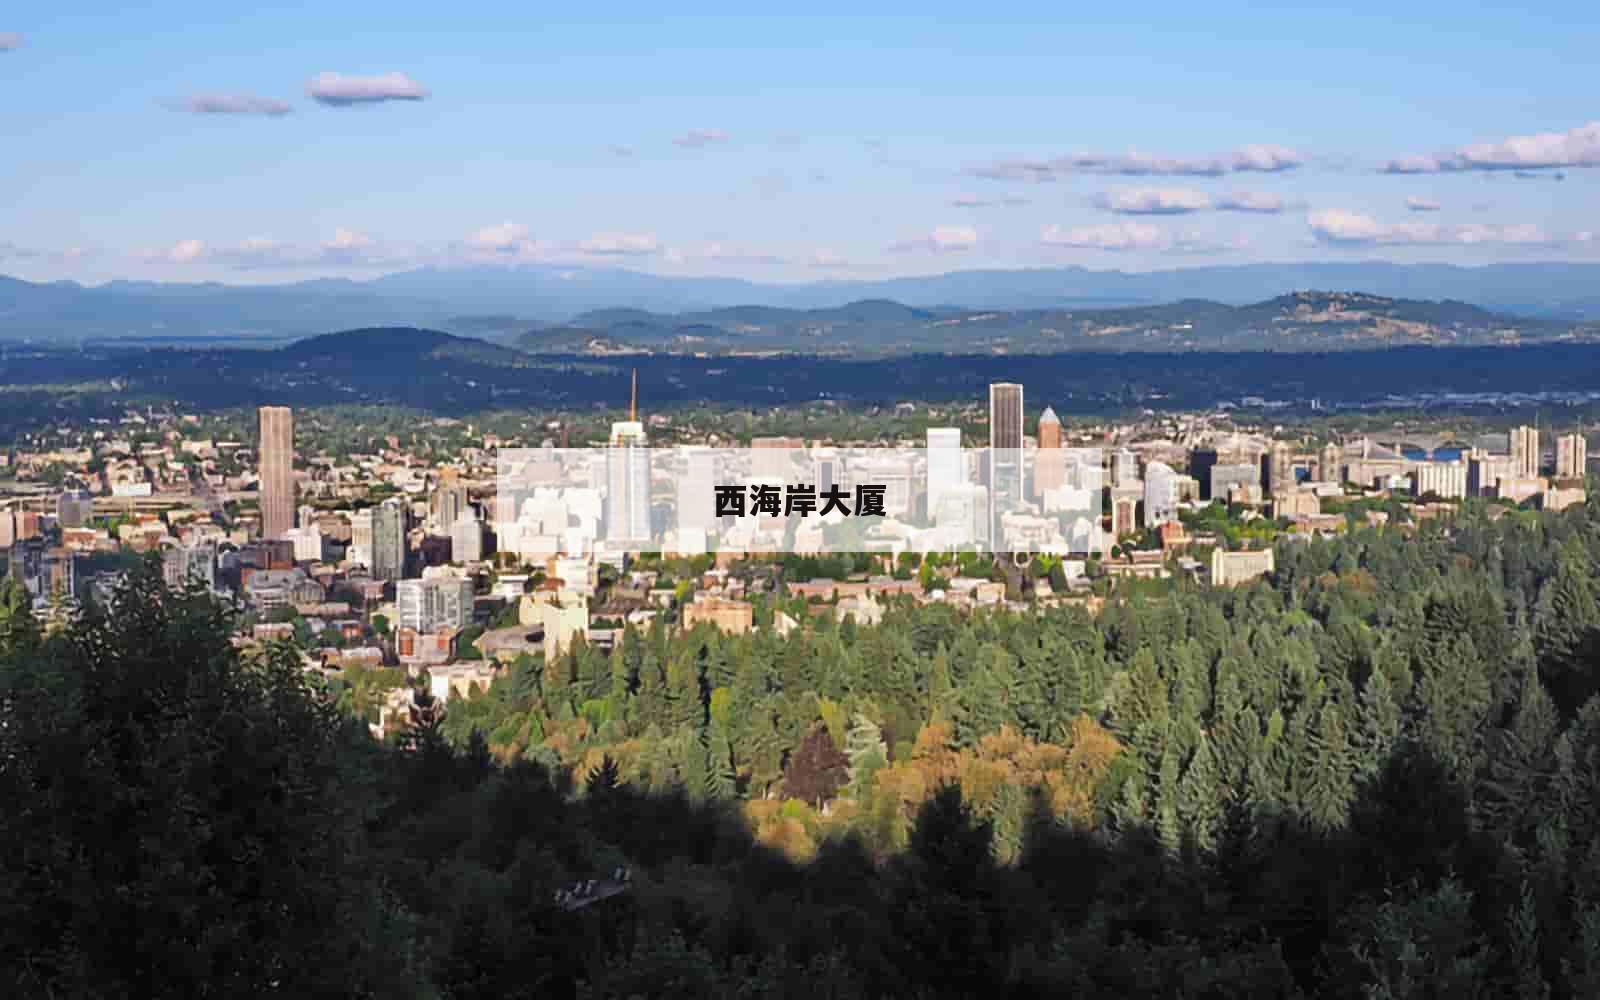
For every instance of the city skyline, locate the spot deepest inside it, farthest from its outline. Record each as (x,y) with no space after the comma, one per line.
(263,147)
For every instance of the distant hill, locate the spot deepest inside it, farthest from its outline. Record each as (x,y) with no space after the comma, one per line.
(497,301)
(388,346)
(1301,321)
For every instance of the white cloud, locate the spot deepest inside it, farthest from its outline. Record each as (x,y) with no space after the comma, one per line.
(342,91)
(698,137)
(1247,159)
(1154,201)
(977,201)
(943,239)
(10,40)
(1416,204)
(716,250)
(1107,236)
(347,239)
(185,251)
(260,253)
(620,244)
(620,152)
(1260,202)
(346,248)
(1576,147)
(1117,237)
(827,259)
(504,237)
(231,104)
(1339,227)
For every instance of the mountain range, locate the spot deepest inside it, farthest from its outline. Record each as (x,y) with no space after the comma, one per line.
(510,301)
(1302,321)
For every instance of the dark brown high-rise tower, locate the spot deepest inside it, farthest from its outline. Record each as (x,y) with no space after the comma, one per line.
(276,458)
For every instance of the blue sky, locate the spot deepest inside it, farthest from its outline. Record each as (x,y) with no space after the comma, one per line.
(828,144)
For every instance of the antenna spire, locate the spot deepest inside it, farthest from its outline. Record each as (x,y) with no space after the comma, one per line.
(633,398)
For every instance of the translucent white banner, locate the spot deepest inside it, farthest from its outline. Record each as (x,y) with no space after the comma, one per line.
(692,500)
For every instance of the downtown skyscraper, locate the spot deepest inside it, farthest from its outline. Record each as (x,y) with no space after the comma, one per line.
(1005,456)
(389,540)
(627,500)
(276,470)
(1524,452)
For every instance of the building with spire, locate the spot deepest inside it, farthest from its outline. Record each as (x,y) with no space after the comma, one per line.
(627,503)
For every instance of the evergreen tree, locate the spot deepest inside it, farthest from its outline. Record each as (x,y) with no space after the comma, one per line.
(1328,787)
(1199,798)
(865,750)
(1528,982)
(1168,803)
(1377,726)
(1522,768)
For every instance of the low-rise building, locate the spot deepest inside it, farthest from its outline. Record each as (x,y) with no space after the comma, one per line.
(733,617)
(461,678)
(1231,568)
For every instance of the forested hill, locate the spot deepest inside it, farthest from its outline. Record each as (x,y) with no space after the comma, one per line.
(1302,321)
(1374,773)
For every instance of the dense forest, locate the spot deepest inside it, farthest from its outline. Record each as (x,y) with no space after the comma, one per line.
(439,375)
(1375,773)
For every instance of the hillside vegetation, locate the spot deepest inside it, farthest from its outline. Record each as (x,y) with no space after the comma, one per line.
(1375,773)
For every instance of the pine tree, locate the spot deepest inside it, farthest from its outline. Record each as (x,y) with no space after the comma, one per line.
(866,752)
(1168,828)
(1199,801)
(1581,967)
(980,707)
(941,689)
(1129,813)
(1238,746)
(1565,625)
(1522,767)
(1144,698)
(721,777)
(1523,931)
(624,680)
(1377,725)
(685,709)
(1325,801)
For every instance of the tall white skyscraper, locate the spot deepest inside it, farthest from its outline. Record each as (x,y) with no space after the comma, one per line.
(466,537)
(1572,456)
(627,506)
(1160,494)
(360,551)
(696,496)
(428,605)
(946,465)
(1124,468)
(1525,452)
